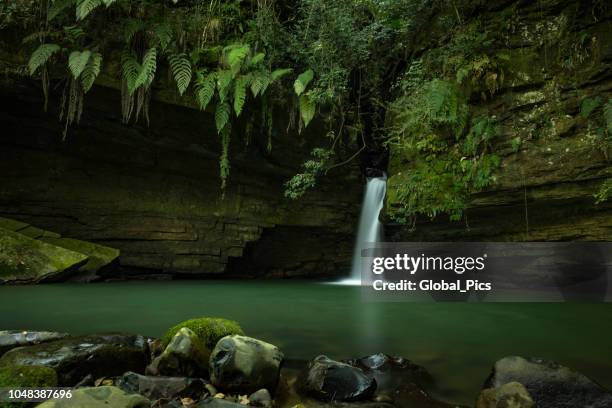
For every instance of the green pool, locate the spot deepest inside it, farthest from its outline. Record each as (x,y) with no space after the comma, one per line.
(456,342)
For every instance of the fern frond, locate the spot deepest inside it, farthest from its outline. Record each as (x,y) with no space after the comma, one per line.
(240,94)
(163,34)
(130,69)
(41,55)
(257,83)
(205,88)
(85,7)
(279,73)
(224,80)
(91,71)
(148,68)
(77,61)
(222,115)
(607,114)
(307,109)
(130,28)
(257,59)
(302,81)
(57,7)
(236,55)
(181,71)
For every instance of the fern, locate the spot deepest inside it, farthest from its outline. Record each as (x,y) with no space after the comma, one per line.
(279,73)
(57,7)
(240,94)
(77,61)
(148,68)
(130,68)
(85,7)
(224,164)
(163,34)
(224,80)
(130,28)
(181,71)
(205,88)
(41,55)
(307,109)
(91,71)
(588,105)
(257,59)
(302,81)
(257,83)
(236,54)
(222,115)
(607,115)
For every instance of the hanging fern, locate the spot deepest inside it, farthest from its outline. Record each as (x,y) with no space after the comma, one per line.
(224,80)
(224,163)
(41,55)
(205,88)
(240,94)
(236,55)
(302,81)
(91,71)
(148,68)
(131,69)
(279,73)
(222,116)
(181,71)
(86,7)
(257,59)
(77,61)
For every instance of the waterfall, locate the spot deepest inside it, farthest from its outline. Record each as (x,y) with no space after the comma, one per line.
(370,229)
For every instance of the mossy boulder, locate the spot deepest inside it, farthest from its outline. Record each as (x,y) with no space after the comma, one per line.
(208,329)
(23,259)
(25,377)
(99,397)
(184,356)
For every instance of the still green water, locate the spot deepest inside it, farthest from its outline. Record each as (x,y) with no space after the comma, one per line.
(456,342)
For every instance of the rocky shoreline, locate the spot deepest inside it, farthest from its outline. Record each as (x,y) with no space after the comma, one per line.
(211,363)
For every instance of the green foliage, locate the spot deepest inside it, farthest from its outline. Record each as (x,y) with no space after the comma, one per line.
(209,329)
(25,377)
(181,71)
(299,184)
(77,61)
(588,105)
(444,163)
(41,55)
(205,88)
(91,71)
(607,116)
(605,192)
(302,81)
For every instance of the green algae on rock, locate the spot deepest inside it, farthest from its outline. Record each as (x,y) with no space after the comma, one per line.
(23,259)
(209,329)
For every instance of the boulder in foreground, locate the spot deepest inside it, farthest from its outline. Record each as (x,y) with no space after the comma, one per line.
(99,397)
(511,395)
(75,358)
(550,385)
(329,380)
(241,364)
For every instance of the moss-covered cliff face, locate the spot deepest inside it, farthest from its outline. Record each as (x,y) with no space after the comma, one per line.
(154,192)
(554,61)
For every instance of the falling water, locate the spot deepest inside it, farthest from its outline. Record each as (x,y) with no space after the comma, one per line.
(370,229)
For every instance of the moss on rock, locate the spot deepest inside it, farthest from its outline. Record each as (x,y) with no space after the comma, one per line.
(25,377)
(208,329)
